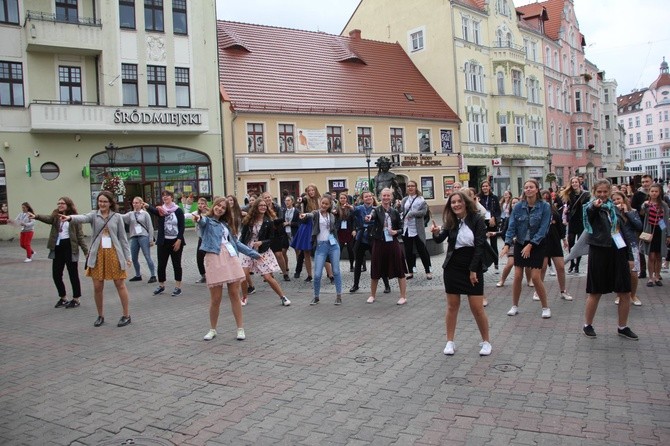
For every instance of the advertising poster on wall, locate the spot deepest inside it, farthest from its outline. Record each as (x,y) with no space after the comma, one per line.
(448,184)
(313,139)
(446,141)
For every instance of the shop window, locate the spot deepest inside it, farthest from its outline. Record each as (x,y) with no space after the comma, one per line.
(49,171)
(127,14)
(428,188)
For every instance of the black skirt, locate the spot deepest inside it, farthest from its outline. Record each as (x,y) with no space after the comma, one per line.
(537,255)
(457,274)
(553,247)
(608,271)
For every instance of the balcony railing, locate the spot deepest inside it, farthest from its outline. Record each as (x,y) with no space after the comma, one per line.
(508,44)
(51,17)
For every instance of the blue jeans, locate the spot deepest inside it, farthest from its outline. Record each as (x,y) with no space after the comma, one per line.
(137,243)
(324,250)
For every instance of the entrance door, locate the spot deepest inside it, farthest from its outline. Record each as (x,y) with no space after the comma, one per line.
(292,187)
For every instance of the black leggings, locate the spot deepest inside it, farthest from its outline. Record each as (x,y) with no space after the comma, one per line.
(165,252)
(572,238)
(62,259)
(200,258)
(350,252)
(409,243)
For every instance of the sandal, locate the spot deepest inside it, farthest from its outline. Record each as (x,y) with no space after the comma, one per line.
(659,283)
(650,283)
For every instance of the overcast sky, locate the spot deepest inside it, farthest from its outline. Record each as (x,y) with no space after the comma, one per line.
(626,38)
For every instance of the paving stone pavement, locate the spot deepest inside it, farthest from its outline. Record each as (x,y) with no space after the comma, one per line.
(355,374)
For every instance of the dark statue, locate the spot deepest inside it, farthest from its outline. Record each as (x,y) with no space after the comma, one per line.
(386,178)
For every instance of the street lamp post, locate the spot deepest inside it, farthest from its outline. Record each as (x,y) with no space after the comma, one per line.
(368,153)
(111,150)
(549,162)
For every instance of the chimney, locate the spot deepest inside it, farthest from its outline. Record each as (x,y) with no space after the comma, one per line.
(355,34)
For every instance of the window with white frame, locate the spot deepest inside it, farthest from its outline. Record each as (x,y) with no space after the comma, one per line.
(397,139)
(650,136)
(649,119)
(502,124)
(500,80)
(364,138)
(182,87)
(609,148)
(630,138)
(520,129)
(568,139)
(638,138)
(652,170)
(547,57)
(526,48)
(630,123)
(516,82)
(647,104)
(607,95)
(533,51)
(255,138)
(286,138)
(636,155)
(474,77)
(502,7)
(476,32)
(465,26)
(552,136)
(665,115)
(666,133)
(533,91)
(578,101)
(550,95)
(607,122)
(560,137)
(566,103)
(579,133)
(557,66)
(416,40)
(637,121)
(477,126)
(535,132)
(334,138)
(649,152)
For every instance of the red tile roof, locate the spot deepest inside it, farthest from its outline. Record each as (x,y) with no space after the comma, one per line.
(630,99)
(554,10)
(279,70)
(474,4)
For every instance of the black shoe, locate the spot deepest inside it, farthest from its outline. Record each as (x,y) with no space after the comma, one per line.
(314,301)
(387,290)
(136,279)
(351,269)
(176,292)
(202,279)
(286,278)
(353,289)
(99,321)
(159,290)
(364,268)
(627,333)
(72,304)
(125,320)
(642,275)
(152,279)
(308,279)
(332,280)
(296,276)
(589,332)
(251,290)
(61,303)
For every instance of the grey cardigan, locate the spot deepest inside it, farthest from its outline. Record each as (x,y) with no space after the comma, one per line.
(417,212)
(117,232)
(644,246)
(142,221)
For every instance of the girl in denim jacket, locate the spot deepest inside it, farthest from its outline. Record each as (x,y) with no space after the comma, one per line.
(528,226)
(222,266)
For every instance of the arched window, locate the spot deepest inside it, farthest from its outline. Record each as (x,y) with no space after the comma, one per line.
(500,78)
(474,77)
(547,57)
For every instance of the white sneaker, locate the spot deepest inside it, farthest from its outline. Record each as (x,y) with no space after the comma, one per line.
(552,271)
(211,334)
(240,334)
(513,311)
(565,295)
(535,296)
(486,348)
(546,313)
(27,260)
(636,301)
(450,348)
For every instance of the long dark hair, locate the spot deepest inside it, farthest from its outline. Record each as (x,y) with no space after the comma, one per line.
(227,216)
(28,207)
(449,217)
(253,213)
(235,214)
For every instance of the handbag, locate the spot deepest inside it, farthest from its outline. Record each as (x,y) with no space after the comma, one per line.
(647,236)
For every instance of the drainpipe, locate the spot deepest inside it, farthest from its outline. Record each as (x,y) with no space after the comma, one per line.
(232,135)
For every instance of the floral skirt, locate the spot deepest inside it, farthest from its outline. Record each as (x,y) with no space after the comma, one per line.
(107,266)
(267,264)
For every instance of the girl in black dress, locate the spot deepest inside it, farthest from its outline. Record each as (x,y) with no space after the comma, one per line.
(463,269)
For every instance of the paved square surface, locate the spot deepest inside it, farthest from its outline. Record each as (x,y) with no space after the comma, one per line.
(354,374)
